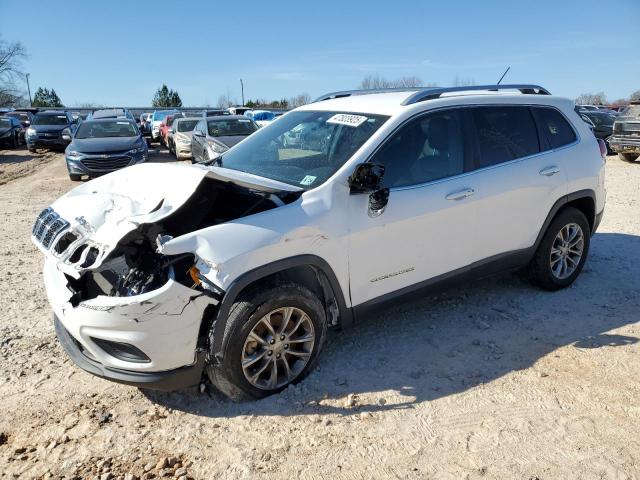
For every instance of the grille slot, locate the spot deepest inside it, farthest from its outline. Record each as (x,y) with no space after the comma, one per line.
(48,226)
(106,164)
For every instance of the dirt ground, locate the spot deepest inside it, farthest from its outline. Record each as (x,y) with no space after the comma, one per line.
(494,379)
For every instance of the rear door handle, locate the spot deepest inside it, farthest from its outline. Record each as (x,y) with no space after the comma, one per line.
(549,171)
(467,192)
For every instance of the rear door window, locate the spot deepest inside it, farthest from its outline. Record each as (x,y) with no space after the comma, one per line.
(555,128)
(504,134)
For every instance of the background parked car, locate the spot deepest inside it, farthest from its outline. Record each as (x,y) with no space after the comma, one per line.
(213,136)
(626,133)
(50,129)
(103,145)
(11,131)
(180,140)
(165,128)
(215,112)
(602,124)
(156,119)
(111,113)
(25,119)
(261,117)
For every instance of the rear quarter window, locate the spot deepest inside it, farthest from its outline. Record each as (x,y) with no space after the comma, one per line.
(556,129)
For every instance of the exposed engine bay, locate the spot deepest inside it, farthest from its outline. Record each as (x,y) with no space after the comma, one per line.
(133,265)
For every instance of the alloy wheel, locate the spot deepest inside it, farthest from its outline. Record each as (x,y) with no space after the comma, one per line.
(278,348)
(566,251)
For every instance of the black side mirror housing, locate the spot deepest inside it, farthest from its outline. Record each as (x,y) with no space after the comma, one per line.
(367,178)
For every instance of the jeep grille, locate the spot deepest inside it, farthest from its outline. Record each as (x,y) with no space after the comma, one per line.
(48,226)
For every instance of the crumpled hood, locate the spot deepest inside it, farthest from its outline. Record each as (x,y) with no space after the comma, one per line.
(104,210)
(101,212)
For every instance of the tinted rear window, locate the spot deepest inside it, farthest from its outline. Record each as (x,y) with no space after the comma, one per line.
(554,126)
(504,134)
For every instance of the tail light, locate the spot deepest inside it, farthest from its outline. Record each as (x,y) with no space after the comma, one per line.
(603,149)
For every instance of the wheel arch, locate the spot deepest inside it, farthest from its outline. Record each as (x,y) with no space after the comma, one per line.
(583,200)
(310,271)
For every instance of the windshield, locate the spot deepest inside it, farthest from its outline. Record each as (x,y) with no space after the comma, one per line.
(5,123)
(231,127)
(106,130)
(23,117)
(186,125)
(50,120)
(303,148)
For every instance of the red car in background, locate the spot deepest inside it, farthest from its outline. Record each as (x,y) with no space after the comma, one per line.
(165,126)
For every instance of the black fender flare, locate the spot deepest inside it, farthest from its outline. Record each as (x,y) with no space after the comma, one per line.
(246,279)
(561,202)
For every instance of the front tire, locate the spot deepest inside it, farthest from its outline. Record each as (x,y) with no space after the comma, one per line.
(563,250)
(628,157)
(272,338)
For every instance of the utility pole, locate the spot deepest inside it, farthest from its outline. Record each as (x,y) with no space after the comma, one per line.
(242,88)
(29,89)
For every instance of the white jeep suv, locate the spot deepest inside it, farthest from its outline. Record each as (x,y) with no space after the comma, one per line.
(158,273)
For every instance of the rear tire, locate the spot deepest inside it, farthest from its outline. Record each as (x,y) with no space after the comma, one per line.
(280,304)
(628,157)
(556,263)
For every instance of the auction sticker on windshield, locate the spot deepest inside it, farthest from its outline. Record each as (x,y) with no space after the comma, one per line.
(346,119)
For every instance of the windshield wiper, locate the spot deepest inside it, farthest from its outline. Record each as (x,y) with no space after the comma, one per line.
(216,162)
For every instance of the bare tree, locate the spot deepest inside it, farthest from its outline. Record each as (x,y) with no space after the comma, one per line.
(225,100)
(591,99)
(411,81)
(635,96)
(463,82)
(371,82)
(299,100)
(11,56)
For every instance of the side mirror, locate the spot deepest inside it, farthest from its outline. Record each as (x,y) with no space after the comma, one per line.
(367,178)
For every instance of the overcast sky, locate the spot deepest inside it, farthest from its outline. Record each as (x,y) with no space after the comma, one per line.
(119,53)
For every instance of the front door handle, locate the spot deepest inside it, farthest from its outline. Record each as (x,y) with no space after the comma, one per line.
(549,171)
(467,192)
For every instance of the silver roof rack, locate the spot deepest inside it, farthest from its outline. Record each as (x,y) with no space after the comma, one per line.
(429,93)
(349,93)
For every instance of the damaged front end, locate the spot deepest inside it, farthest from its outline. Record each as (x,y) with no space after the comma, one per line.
(122,305)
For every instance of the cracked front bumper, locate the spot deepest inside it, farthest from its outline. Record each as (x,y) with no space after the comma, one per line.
(179,378)
(163,324)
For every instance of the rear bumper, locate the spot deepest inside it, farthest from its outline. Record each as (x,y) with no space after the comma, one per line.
(622,144)
(179,378)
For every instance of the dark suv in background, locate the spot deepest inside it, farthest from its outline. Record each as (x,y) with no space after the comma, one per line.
(50,129)
(625,140)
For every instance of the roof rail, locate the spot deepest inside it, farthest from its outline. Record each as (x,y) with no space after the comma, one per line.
(436,92)
(349,93)
(430,93)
